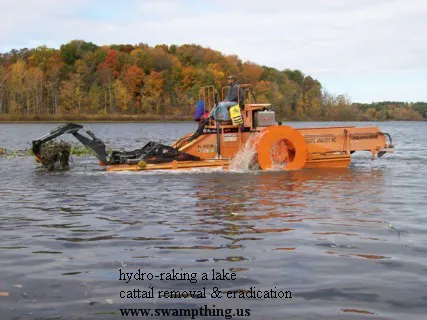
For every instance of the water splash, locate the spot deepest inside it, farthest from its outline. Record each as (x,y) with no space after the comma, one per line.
(245,158)
(279,156)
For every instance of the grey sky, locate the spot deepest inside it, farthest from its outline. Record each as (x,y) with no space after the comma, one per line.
(369,50)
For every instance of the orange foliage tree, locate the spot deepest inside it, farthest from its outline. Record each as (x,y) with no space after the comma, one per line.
(82,78)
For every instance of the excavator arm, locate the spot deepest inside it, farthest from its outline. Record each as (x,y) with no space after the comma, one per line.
(152,152)
(91,142)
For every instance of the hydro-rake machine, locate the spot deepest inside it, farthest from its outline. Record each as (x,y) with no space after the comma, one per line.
(215,143)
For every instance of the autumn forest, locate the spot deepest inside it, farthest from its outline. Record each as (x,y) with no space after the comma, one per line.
(118,82)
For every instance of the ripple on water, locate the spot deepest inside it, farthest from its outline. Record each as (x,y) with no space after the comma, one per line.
(349,243)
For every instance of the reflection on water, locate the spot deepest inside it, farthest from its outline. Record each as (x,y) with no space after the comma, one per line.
(349,243)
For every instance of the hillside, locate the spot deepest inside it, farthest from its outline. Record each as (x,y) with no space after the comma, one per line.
(84,81)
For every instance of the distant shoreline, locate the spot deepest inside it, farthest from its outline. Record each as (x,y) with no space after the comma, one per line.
(92,118)
(146,118)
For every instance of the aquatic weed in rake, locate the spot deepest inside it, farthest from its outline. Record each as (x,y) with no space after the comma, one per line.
(55,155)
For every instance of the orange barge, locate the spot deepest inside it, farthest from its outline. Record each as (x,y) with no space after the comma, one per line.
(216,143)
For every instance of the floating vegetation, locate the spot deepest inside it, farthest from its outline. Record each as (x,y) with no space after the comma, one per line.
(76,150)
(392,228)
(6,153)
(80,151)
(55,155)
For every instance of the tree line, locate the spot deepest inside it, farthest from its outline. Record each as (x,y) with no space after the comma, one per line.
(82,78)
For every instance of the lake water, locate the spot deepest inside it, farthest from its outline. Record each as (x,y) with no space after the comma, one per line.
(348,243)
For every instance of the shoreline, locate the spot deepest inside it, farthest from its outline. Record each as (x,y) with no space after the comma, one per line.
(93,121)
(92,118)
(151,119)
(178,121)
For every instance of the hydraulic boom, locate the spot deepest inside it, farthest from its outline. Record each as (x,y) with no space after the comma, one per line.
(152,152)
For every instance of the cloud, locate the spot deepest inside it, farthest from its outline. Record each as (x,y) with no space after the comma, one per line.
(328,39)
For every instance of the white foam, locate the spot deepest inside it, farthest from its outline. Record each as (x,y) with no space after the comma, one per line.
(245,159)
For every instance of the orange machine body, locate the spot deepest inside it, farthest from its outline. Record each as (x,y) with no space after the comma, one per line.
(324,147)
(276,146)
